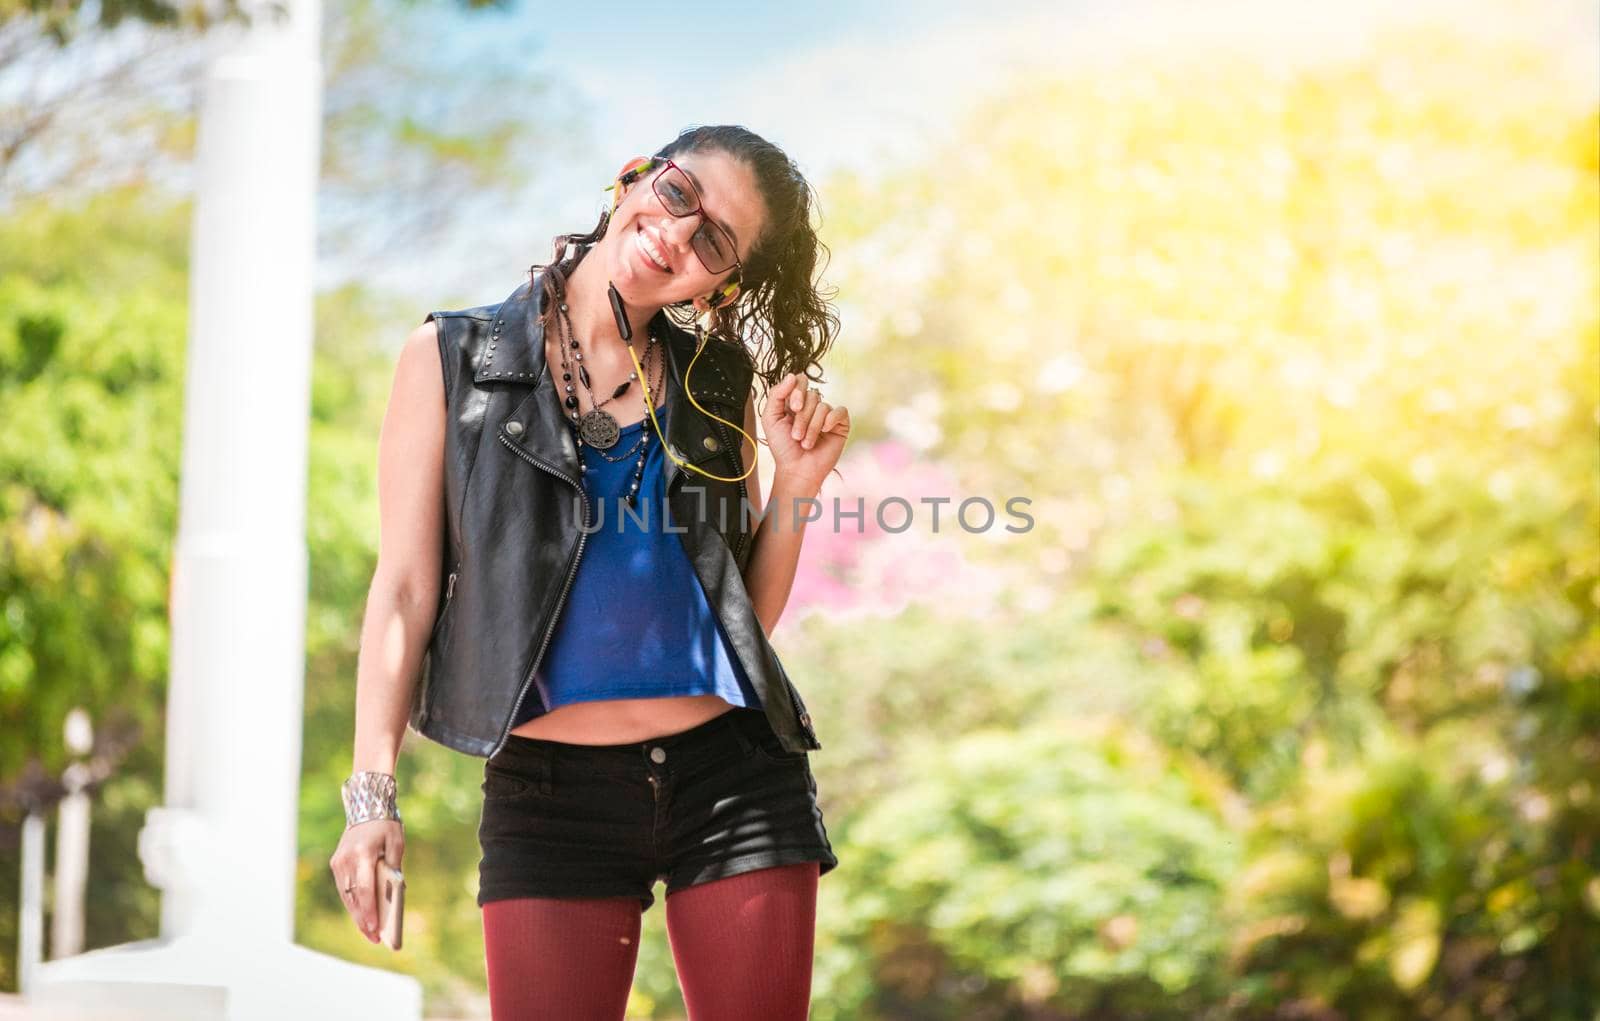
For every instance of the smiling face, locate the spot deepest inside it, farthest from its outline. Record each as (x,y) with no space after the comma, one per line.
(642,228)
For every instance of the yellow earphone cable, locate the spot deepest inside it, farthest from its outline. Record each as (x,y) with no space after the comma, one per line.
(650,404)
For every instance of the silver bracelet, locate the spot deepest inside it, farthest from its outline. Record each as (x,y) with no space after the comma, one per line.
(367,796)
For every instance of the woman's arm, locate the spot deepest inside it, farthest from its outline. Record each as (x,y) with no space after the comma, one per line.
(805,436)
(403,597)
(775,550)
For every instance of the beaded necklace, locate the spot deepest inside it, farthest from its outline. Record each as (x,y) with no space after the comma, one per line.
(598,429)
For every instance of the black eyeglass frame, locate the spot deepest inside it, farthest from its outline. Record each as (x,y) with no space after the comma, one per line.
(699,208)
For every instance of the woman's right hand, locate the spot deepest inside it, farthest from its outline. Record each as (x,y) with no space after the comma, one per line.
(355,865)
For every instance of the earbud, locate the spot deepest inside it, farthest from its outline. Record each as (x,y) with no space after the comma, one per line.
(635,167)
(631,172)
(724,296)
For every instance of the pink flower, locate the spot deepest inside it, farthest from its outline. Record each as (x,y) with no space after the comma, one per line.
(852,565)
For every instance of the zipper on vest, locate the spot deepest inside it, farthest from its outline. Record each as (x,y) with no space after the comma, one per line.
(572,570)
(800,711)
(438,621)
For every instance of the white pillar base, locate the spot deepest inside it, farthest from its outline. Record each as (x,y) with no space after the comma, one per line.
(196,979)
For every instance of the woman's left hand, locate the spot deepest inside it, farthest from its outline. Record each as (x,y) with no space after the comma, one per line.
(805,433)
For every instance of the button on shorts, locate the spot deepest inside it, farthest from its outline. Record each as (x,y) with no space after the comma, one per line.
(577,820)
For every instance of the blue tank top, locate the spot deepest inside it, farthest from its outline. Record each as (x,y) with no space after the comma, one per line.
(636,622)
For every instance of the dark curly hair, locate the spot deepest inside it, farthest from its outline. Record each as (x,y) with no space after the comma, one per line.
(780,309)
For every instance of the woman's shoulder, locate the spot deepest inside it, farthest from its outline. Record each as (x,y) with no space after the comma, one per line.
(466,335)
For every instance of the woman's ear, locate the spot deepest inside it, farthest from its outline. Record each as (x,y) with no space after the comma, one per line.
(631,171)
(722,297)
(725,295)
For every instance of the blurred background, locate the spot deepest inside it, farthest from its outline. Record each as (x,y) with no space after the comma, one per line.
(1285,318)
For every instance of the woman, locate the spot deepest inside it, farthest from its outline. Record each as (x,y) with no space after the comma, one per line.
(641,744)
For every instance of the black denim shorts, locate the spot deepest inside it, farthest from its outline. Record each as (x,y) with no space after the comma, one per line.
(577,820)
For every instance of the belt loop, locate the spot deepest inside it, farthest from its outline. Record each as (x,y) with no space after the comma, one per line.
(746,743)
(546,767)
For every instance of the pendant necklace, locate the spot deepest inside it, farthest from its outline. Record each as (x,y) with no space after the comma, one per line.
(597,428)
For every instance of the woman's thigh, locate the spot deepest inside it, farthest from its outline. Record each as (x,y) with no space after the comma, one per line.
(743,944)
(551,957)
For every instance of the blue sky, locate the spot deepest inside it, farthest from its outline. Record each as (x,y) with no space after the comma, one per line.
(836,84)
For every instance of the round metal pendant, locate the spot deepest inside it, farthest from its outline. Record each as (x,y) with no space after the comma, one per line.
(599,429)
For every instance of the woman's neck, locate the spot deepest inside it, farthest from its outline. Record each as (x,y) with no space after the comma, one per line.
(589,305)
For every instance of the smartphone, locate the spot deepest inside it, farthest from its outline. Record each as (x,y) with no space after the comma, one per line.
(391,904)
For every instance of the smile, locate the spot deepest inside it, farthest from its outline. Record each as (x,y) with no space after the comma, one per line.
(650,252)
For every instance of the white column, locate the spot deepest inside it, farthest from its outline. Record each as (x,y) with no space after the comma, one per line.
(30,919)
(72,866)
(222,847)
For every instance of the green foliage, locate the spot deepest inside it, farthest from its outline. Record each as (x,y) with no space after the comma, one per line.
(1318,494)
(1071,867)
(92,321)
(91,344)
(1291,705)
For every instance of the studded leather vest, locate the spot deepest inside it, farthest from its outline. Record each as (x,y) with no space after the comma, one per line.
(514,512)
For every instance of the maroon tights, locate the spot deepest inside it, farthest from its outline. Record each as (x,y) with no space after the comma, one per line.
(742,946)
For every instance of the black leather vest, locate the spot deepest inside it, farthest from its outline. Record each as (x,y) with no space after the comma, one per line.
(514,510)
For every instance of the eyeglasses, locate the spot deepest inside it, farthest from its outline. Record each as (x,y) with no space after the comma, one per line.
(712,245)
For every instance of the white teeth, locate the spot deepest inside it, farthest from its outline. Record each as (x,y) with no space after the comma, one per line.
(643,241)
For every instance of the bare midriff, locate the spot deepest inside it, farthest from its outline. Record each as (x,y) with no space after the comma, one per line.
(623,720)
